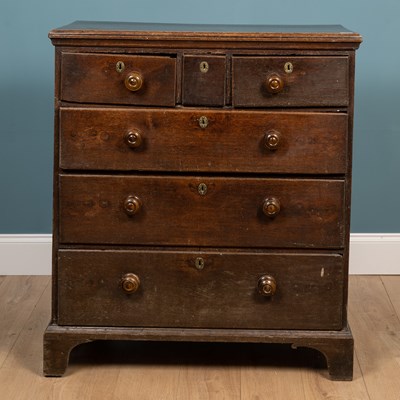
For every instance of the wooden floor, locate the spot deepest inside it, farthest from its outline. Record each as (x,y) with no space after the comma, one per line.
(184,371)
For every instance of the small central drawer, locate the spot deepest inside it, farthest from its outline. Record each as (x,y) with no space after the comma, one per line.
(290,81)
(228,141)
(204,80)
(225,290)
(201,211)
(118,79)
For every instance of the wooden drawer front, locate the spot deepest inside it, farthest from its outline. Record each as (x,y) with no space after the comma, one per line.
(233,141)
(93,78)
(223,294)
(173,212)
(314,81)
(203,80)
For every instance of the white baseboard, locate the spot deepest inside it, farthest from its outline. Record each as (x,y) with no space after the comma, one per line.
(25,254)
(375,254)
(370,254)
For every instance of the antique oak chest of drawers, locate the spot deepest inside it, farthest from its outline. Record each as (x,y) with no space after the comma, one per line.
(202,186)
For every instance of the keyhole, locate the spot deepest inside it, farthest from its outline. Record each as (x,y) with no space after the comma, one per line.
(199,263)
(202,189)
(203,122)
(288,67)
(204,66)
(120,66)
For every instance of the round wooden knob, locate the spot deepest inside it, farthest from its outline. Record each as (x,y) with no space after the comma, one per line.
(132,205)
(267,285)
(272,139)
(130,283)
(133,139)
(274,83)
(271,206)
(134,81)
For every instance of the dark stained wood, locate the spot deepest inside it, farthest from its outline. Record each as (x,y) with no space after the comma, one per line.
(93,139)
(174,213)
(94,78)
(337,346)
(315,81)
(204,88)
(348,181)
(231,36)
(56,157)
(108,28)
(56,351)
(278,269)
(224,294)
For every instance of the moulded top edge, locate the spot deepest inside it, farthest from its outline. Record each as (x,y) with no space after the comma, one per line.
(157,31)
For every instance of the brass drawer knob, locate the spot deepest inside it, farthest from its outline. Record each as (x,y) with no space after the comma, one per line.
(267,285)
(274,83)
(133,81)
(133,138)
(271,206)
(272,139)
(130,283)
(132,205)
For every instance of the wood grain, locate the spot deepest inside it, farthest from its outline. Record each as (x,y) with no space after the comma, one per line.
(204,88)
(21,372)
(174,372)
(93,78)
(93,139)
(376,328)
(224,294)
(392,286)
(18,297)
(316,386)
(315,81)
(205,36)
(214,185)
(174,213)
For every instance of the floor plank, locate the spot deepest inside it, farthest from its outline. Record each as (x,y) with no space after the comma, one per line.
(18,297)
(199,371)
(209,371)
(392,286)
(376,331)
(318,386)
(138,370)
(20,375)
(271,384)
(209,382)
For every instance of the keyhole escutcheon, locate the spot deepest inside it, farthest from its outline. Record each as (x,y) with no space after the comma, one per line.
(199,263)
(288,67)
(120,66)
(203,122)
(202,189)
(204,67)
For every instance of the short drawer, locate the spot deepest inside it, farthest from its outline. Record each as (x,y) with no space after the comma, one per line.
(201,211)
(230,290)
(232,141)
(118,79)
(290,81)
(204,80)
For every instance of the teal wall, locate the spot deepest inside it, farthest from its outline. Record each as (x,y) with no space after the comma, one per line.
(26,91)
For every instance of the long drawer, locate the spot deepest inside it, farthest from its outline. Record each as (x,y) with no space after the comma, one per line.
(201,211)
(166,289)
(231,141)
